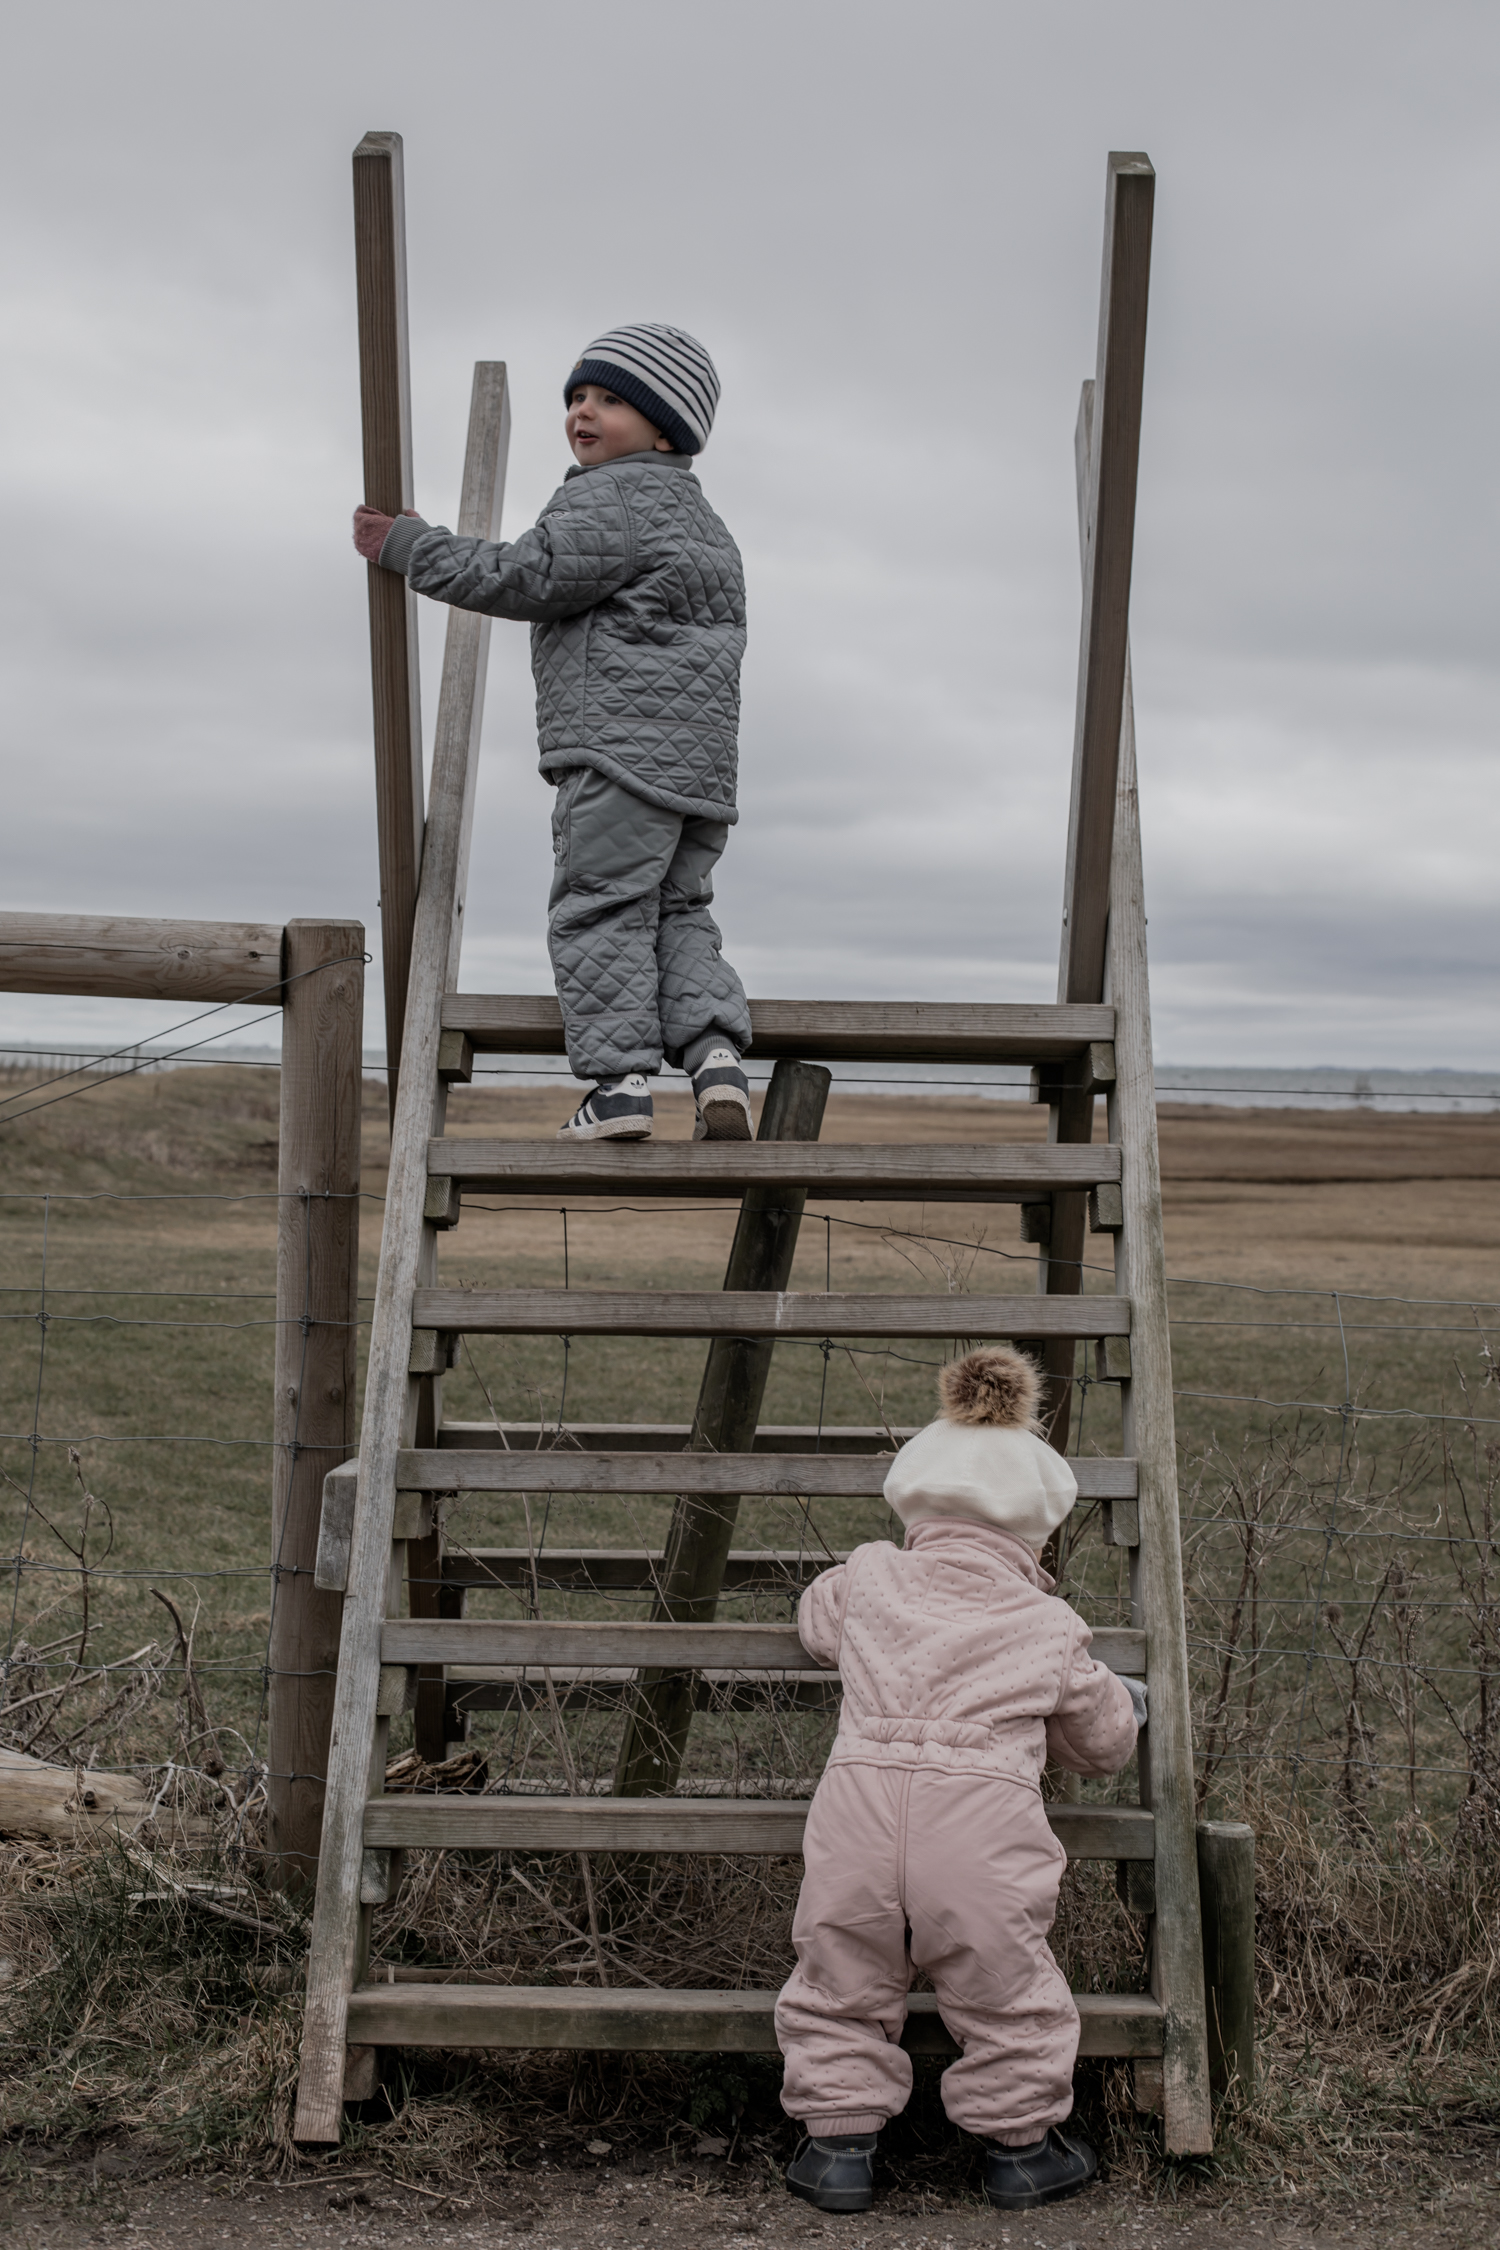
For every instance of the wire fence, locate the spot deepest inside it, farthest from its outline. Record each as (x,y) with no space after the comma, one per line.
(1338,1471)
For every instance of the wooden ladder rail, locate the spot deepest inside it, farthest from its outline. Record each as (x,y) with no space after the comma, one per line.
(1156,1590)
(1102,956)
(408,1256)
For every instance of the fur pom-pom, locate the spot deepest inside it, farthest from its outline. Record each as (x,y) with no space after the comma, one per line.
(995,1385)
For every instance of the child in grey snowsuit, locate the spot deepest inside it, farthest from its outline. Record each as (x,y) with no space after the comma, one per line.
(635,594)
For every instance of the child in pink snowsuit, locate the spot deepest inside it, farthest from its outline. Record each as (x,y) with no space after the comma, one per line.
(927,1843)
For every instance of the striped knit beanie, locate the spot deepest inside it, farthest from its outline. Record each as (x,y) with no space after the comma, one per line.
(664,373)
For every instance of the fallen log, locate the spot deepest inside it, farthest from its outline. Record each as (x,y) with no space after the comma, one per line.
(66,1804)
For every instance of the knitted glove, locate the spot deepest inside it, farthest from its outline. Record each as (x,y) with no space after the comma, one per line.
(372,529)
(1137,1698)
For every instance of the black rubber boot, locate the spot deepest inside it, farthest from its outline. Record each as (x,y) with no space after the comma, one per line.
(837,2174)
(1017,2179)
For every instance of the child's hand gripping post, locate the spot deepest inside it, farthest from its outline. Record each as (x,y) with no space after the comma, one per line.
(372,528)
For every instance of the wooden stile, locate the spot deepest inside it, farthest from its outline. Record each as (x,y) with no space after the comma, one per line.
(1095,1040)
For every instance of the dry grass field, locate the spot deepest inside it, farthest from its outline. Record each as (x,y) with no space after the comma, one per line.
(1320,1262)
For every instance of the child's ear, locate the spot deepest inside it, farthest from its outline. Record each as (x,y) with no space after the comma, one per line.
(664,445)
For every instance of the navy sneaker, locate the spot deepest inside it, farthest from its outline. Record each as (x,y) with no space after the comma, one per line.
(619,1109)
(1017,2179)
(837,2174)
(722,1092)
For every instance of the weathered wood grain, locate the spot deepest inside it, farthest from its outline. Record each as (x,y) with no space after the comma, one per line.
(833,1173)
(1226,1878)
(817,1475)
(385,416)
(681,1824)
(573,1642)
(1167,1774)
(133,957)
(515,1688)
(667,1437)
(824,1030)
(462,2016)
(317,1311)
(684,1312)
(1109,542)
(408,1253)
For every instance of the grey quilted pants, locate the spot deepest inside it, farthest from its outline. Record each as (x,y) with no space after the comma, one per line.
(634,948)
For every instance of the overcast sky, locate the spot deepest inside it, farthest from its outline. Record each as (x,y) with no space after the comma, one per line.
(884,220)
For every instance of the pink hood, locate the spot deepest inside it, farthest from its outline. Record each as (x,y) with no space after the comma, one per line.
(954,1652)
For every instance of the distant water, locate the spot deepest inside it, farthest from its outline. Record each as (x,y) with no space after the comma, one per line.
(1226,1085)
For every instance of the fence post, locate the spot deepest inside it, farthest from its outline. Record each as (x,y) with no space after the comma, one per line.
(317,1308)
(1226,1885)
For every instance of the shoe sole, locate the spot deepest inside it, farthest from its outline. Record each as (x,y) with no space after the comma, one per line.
(1043,2195)
(852,2200)
(726,1117)
(612,1129)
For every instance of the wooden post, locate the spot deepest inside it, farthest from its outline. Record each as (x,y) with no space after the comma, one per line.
(1226,1882)
(1108,543)
(1107,448)
(317,1309)
(385,406)
(729,1403)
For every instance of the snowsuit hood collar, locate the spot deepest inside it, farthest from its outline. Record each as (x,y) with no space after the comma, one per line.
(1001,1546)
(651,460)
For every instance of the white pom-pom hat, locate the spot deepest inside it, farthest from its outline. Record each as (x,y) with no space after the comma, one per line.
(983,1460)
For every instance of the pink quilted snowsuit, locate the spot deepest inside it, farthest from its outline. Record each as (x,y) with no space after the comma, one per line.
(927,1842)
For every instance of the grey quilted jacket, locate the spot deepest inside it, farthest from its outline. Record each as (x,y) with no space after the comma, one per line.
(635,594)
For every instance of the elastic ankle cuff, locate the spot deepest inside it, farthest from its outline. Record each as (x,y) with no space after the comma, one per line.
(696,1053)
(1023,2148)
(846,2121)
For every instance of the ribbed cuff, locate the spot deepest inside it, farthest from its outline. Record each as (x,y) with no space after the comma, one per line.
(399,542)
(852,2121)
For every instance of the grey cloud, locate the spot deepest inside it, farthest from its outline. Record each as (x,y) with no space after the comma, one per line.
(885,222)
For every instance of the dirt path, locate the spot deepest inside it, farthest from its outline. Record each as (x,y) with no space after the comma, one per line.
(680,2209)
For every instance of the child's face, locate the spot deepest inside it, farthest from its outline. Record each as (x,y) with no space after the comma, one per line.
(602,427)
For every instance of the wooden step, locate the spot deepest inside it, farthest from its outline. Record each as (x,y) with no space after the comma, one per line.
(751,1475)
(460,1822)
(946,1173)
(756,1313)
(677,2022)
(682,1648)
(624,1570)
(821,1030)
(520,1688)
(667,1437)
